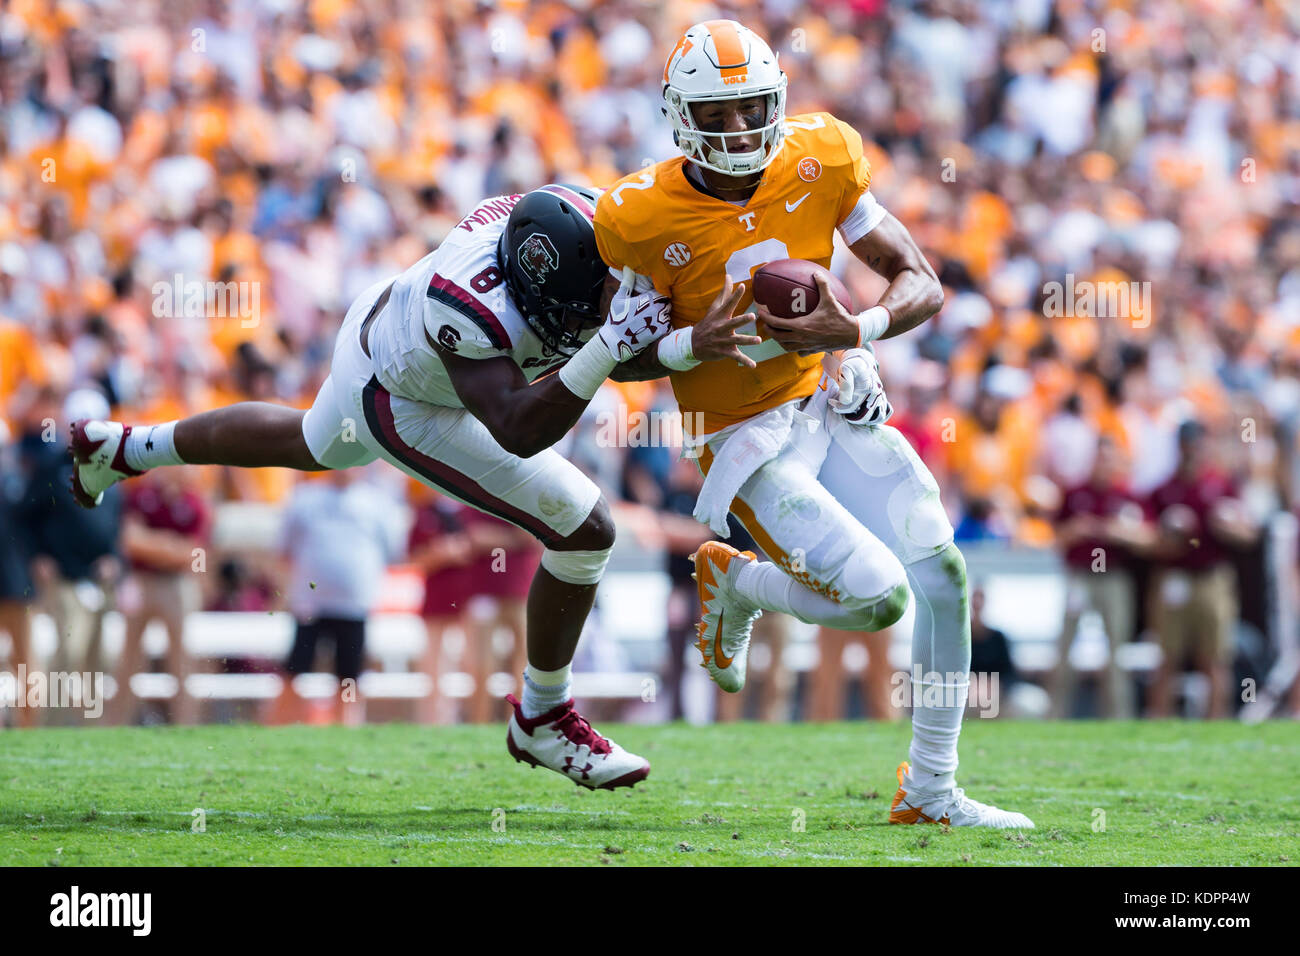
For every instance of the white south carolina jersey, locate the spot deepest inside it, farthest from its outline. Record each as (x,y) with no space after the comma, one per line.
(457,295)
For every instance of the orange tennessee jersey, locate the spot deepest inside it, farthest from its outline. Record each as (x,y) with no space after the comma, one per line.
(663,227)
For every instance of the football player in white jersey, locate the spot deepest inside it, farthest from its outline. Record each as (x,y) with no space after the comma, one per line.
(438,371)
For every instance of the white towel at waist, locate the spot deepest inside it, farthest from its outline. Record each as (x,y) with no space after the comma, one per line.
(754,443)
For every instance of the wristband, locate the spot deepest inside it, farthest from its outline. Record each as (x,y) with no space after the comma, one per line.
(872,324)
(587,370)
(674,351)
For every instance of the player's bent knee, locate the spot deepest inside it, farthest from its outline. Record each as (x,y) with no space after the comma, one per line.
(872,576)
(943,573)
(890,609)
(953,565)
(596,533)
(875,615)
(874,589)
(576,567)
(580,558)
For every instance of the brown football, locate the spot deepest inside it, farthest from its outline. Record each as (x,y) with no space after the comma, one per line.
(787,288)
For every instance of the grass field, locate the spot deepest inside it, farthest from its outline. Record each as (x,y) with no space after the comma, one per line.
(1171,793)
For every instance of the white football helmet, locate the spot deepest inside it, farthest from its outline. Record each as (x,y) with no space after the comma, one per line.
(723,60)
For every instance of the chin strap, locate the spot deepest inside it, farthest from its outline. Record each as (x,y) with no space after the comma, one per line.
(719,158)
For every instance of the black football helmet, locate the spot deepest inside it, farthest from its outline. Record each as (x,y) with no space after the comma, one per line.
(553,271)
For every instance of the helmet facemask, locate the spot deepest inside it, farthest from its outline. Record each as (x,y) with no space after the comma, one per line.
(695,142)
(560,325)
(557,324)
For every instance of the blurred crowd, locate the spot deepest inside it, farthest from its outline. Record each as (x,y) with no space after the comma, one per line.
(300,151)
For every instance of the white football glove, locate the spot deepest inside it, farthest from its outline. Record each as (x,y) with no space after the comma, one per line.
(638,317)
(861,397)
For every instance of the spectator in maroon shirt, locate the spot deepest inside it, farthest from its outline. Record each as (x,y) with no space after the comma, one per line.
(440,548)
(1101,526)
(1194,590)
(242,587)
(477,574)
(501,572)
(163,535)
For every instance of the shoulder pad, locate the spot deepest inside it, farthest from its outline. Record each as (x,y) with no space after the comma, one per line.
(460,322)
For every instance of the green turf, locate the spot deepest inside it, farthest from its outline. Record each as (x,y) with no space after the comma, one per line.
(1172,793)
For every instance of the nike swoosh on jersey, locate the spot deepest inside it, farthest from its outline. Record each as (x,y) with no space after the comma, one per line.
(792,206)
(718,657)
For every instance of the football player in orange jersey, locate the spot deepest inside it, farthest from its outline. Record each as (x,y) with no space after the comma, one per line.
(790,414)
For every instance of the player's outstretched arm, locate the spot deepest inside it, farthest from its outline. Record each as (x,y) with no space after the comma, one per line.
(714,337)
(914,293)
(644,367)
(524,418)
(527,418)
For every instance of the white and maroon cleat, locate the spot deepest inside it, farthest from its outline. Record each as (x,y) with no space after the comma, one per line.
(563,741)
(97,459)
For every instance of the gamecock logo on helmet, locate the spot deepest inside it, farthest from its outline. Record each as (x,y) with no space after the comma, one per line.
(537,256)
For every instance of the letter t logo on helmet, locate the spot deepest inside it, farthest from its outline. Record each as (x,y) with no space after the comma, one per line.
(721,60)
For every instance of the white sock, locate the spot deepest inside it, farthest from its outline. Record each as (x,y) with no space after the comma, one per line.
(935,730)
(545,690)
(149,446)
(941,655)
